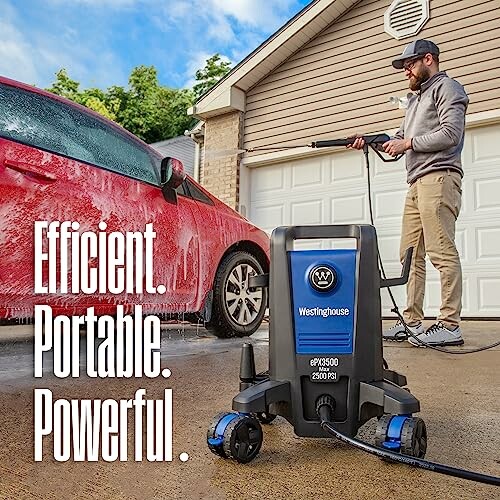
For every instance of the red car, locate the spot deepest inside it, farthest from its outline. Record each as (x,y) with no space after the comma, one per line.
(60,161)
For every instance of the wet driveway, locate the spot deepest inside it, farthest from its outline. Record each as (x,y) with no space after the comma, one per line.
(459,398)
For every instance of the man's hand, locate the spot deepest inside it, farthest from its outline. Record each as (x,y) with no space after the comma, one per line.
(396,147)
(358,143)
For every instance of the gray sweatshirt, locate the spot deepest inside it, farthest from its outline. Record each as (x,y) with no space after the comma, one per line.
(435,120)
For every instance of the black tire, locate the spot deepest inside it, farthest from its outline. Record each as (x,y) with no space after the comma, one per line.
(231,317)
(414,437)
(243,439)
(381,430)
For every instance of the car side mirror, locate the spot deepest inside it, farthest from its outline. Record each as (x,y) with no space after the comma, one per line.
(172,175)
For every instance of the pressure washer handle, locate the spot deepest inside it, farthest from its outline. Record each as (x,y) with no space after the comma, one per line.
(369,139)
(404,275)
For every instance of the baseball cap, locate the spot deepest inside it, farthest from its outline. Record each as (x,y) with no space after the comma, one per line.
(415,49)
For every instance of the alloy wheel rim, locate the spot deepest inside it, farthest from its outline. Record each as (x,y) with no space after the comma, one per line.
(242,304)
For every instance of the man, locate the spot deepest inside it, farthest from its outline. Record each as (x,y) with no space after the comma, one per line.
(432,138)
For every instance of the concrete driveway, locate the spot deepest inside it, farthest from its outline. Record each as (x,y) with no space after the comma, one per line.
(459,397)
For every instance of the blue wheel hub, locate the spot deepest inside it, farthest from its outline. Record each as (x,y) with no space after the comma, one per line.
(393,438)
(218,436)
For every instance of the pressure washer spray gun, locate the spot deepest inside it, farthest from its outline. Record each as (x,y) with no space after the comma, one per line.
(371,141)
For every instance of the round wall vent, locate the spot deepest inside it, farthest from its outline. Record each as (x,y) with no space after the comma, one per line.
(406,18)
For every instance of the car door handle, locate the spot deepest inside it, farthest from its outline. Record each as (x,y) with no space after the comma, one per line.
(36,173)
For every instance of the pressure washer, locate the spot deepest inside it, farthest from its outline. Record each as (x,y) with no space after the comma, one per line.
(327,376)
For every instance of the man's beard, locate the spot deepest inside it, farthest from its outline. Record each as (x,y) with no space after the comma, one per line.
(417,79)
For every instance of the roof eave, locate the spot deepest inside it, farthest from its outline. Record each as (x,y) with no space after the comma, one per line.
(225,100)
(225,95)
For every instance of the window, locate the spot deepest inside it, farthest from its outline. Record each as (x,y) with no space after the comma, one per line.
(182,189)
(45,123)
(198,194)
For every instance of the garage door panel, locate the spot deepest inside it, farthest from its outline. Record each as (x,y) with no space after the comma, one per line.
(388,172)
(325,244)
(488,244)
(484,149)
(388,205)
(432,298)
(399,294)
(487,195)
(346,166)
(349,209)
(268,217)
(268,182)
(388,245)
(332,189)
(488,294)
(309,175)
(307,212)
(309,245)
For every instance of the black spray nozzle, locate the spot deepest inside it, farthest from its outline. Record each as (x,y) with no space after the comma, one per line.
(369,139)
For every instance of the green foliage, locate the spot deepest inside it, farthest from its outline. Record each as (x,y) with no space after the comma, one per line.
(146,108)
(93,98)
(215,68)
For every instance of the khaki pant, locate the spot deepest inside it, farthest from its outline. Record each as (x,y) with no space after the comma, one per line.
(431,210)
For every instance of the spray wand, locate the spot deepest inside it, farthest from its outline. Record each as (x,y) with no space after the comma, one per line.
(371,141)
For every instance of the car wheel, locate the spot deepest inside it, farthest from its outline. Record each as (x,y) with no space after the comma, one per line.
(237,311)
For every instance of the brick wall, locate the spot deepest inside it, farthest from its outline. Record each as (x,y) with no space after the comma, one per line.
(221,175)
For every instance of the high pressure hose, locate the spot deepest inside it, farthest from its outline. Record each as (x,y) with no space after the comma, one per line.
(325,408)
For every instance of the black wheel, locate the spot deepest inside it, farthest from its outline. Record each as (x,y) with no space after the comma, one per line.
(265,417)
(218,449)
(237,311)
(381,431)
(243,439)
(414,437)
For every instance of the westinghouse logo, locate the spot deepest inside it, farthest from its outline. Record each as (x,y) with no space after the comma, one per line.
(324,312)
(323,278)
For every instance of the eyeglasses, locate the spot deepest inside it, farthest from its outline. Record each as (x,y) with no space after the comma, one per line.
(408,65)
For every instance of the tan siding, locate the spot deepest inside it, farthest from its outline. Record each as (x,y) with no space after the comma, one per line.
(470,77)
(341,80)
(372,41)
(483,40)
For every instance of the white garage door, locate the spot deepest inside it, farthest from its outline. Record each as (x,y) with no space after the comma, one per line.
(332,189)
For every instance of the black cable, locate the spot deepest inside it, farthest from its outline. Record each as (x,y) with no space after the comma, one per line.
(415,462)
(395,309)
(325,407)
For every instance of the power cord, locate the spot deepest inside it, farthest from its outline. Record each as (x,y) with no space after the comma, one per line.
(395,308)
(325,407)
